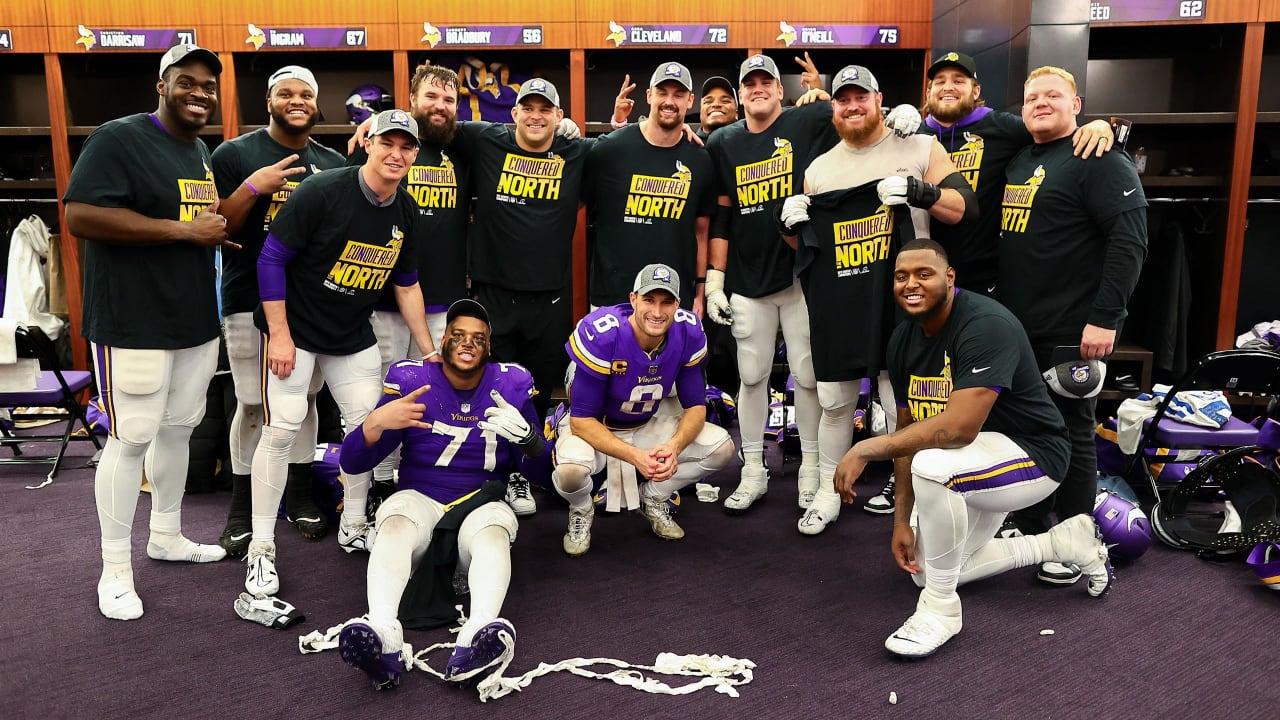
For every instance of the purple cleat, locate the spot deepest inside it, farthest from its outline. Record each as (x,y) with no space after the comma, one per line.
(491,645)
(362,646)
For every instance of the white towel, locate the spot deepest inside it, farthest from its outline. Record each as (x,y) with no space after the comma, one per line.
(8,345)
(25,296)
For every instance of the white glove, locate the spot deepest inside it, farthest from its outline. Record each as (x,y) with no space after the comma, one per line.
(717,302)
(569,129)
(893,190)
(505,420)
(904,120)
(795,210)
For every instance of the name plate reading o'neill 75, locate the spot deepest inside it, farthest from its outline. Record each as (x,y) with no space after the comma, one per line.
(146,39)
(447,36)
(836,35)
(326,38)
(652,35)
(1123,11)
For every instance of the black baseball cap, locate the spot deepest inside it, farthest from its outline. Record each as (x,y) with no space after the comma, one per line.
(954,59)
(466,307)
(722,82)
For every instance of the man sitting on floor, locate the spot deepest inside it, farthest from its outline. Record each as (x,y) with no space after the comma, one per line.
(459,433)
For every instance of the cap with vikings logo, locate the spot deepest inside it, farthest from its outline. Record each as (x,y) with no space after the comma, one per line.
(674,72)
(855,76)
(393,120)
(657,277)
(1073,377)
(541,88)
(762,63)
(186,51)
(954,59)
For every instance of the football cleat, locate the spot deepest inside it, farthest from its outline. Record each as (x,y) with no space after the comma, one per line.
(260,578)
(365,646)
(356,537)
(922,634)
(823,511)
(490,647)
(1077,540)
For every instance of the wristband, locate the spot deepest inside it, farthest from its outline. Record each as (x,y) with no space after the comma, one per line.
(699,280)
(433,353)
(617,125)
(249,185)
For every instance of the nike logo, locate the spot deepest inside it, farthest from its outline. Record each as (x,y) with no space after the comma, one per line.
(126,592)
(553,302)
(1127,193)
(991,289)
(982,369)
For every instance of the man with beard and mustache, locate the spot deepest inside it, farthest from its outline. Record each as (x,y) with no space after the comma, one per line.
(978,437)
(438,184)
(981,142)
(650,195)
(255,174)
(142,196)
(750,277)
(852,224)
(458,424)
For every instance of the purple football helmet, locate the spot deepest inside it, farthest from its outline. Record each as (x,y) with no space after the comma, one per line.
(366,101)
(1125,527)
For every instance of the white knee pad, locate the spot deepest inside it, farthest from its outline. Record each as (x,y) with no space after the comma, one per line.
(570,477)
(755,361)
(495,514)
(837,398)
(933,464)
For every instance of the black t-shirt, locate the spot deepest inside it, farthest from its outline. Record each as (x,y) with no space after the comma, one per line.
(981,345)
(643,204)
(347,252)
(845,261)
(233,162)
(1058,269)
(155,296)
(438,182)
(526,207)
(981,150)
(757,171)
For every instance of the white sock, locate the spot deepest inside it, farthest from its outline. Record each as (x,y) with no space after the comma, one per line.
(117,598)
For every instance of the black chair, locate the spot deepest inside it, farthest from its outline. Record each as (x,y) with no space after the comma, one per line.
(54,389)
(1230,371)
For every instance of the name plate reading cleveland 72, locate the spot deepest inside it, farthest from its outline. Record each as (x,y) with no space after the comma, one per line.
(651,35)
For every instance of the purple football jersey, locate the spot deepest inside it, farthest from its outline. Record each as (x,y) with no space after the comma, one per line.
(619,383)
(454,457)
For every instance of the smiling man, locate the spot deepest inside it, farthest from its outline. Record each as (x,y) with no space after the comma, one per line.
(718,107)
(978,437)
(528,185)
(627,361)
(650,195)
(255,174)
(1073,237)
(981,142)
(851,227)
(142,196)
(344,235)
(459,423)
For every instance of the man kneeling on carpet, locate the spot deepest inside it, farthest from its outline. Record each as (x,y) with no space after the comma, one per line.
(459,430)
(978,436)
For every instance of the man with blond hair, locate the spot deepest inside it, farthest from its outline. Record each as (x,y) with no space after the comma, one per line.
(1073,236)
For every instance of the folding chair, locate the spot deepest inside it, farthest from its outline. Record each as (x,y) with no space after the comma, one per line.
(1235,371)
(54,389)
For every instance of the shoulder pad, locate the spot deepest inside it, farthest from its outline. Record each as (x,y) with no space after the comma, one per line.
(592,342)
(404,377)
